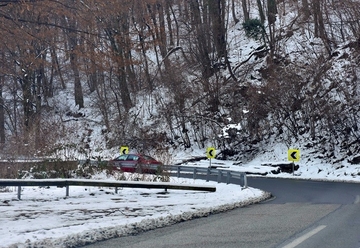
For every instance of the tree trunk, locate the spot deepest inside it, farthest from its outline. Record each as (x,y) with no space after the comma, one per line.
(168,4)
(124,90)
(162,36)
(26,82)
(78,93)
(56,65)
(202,49)
(236,20)
(305,9)
(217,19)
(319,25)
(272,11)
(245,10)
(37,115)
(2,112)
(73,43)
(261,11)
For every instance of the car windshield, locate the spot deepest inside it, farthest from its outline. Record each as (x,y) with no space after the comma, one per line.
(122,157)
(132,157)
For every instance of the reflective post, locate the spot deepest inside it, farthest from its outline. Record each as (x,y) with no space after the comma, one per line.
(67,190)
(19,193)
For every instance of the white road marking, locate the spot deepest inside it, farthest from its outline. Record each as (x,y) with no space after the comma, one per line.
(301,239)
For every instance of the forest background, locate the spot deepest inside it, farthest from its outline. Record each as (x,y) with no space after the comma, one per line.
(164,75)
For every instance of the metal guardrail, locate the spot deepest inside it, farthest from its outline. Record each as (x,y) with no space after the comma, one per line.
(208,172)
(100,183)
(229,175)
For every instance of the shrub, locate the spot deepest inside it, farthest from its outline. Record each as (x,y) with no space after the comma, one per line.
(253,28)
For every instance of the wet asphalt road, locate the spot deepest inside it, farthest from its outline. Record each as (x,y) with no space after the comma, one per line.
(301,214)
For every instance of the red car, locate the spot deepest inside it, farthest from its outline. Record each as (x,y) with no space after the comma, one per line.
(136,163)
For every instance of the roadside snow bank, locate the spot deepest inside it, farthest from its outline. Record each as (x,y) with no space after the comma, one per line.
(45,218)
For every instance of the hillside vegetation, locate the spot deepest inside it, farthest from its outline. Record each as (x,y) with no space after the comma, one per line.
(83,77)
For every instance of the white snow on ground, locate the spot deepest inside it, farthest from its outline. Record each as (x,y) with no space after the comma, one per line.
(44,217)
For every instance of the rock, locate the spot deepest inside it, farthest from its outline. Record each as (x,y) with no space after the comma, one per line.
(355,159)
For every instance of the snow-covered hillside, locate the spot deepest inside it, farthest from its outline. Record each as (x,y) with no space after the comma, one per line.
(292,83)
(301,98)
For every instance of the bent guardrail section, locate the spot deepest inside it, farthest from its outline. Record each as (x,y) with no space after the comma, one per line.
(221,174)
(229,176)
(100,183)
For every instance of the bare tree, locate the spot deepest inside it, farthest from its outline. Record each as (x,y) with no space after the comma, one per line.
(261,11)
(2,110)
(271,16)
(319,26)
(305,9)
(244,4)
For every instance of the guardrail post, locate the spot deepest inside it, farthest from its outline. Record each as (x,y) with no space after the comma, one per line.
(116,190)
(194,174)
(245,180)
(228,176)
(67,190)
(19,193)
(219,176)
(208,174)
(178,171)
